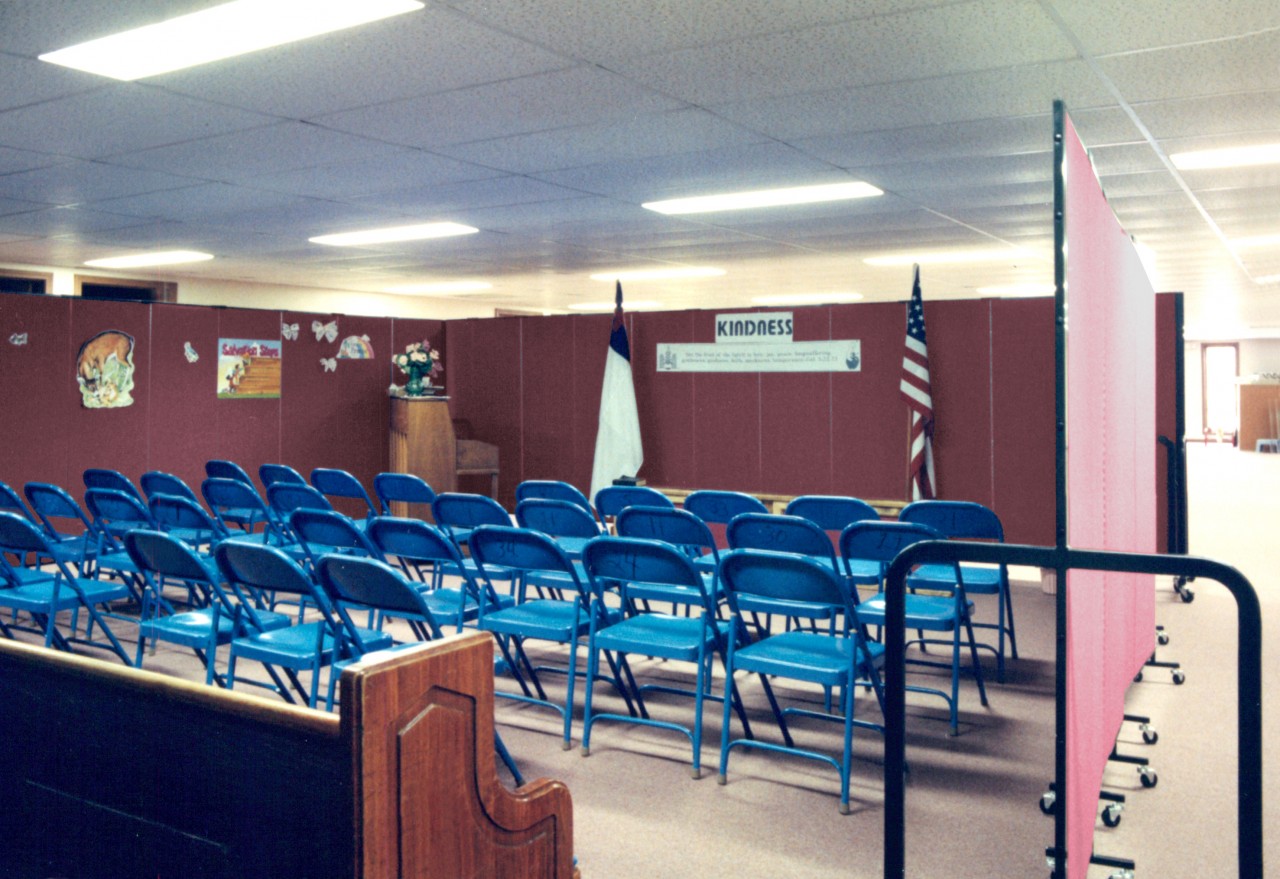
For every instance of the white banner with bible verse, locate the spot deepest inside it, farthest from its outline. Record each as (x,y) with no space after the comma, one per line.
(836,355)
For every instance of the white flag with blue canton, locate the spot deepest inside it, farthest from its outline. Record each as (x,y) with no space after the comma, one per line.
(618,449)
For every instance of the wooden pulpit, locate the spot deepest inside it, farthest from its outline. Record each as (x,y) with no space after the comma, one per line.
(423,442)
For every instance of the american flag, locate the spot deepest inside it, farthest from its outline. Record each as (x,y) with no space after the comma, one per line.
(918,393)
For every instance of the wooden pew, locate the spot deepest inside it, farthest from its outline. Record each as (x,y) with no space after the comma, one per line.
(113,772)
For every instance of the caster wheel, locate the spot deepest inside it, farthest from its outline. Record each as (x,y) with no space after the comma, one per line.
(1111,816)
(1179,677)
(1163,638)
(1137,679)
(1148,776)
(1187,596)
(1149,735)
(1048,802)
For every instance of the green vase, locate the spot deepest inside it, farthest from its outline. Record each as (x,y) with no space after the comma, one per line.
(415,388)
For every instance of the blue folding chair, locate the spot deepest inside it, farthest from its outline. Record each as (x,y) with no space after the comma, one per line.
(340,484)
(183,517)
(50,593)
(649,569)
(75,542)
(831,513)
(721,507)
(789,534)
(425,553)
(354,581)
(966,520)
(305,647)
(568,524)
(459,513)
(156,482)
(405,488)
(222,469)
(881,542)
(10,502)
(241,512)
(683,530)
(284,498)
(213,620)
(839,660)
(555,490)
(559,621)
(114,514)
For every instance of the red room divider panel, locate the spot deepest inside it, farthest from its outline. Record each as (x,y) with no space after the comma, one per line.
(1110,460)
(183,388)
(38,361)
(247,425)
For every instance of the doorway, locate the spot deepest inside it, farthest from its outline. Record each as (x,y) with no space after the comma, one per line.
(1220,367)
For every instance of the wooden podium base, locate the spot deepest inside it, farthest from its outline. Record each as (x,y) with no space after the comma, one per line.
(423,442)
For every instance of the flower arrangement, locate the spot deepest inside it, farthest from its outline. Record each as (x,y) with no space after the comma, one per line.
(419,361)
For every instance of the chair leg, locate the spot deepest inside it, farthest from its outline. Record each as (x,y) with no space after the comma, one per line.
(593,668)
(777,712)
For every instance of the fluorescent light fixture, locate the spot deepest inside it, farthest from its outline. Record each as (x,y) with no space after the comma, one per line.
(158,258)
(219,32)
(394,233)
(1255,241)
(629,305)
(1016,290)
(764,198)
(806,298)
(953,256)
(1228,157)
(668,274)
(443,288)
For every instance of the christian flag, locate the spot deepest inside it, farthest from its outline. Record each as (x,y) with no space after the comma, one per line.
(918,392)
(618,450)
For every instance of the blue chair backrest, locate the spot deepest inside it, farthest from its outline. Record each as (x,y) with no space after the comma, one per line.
(958,520)
(114,510)
(265,568)
(285,497)
(271,474)
(223,494)
(370,583)
(221,469)
(557,518)
(156,482)
(49,502)
(11,502)
(555,490)
(721,506)
(97,477)
(165,555)
(759,573)
(173,511)
(636,562)
(679,527)
(831,512)
(779,534)
(468,510)
(520,549)
(412,539)
(340,483)
(882,541)
(326,530)
(613,499)
(404,487)
(19,535)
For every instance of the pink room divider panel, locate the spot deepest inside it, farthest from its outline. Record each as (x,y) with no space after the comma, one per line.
(1111,482)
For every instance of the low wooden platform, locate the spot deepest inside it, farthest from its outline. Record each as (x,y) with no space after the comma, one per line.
(777,503)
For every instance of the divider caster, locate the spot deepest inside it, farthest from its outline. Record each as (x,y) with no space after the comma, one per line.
(1111,814)
(1147,776)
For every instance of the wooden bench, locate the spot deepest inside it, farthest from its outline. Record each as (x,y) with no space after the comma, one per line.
(777,503)
(114,772)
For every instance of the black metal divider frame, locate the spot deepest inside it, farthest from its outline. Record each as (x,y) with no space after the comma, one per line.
(1249,828)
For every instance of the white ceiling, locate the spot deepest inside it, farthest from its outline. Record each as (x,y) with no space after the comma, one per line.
(545,123)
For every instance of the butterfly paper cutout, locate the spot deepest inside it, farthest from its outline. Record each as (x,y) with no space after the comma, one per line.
(289,331)
(329,363)
(18,339)
(327,332)
(189,352)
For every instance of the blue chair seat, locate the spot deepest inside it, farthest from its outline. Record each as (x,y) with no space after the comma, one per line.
(807,656)
(672,637)
(38,596)
(288,646)
(189,628)
(934,613)
(865,572)
(546,619)
(977,578)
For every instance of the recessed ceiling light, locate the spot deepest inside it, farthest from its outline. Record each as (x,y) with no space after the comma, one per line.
(219,32)
(440,287)
(806,298)
(394,233)
(658,274)
(1016,290)
(158,258)
(1229,157)
(1256,241)
(953,256)
(608,305)
(764,198)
